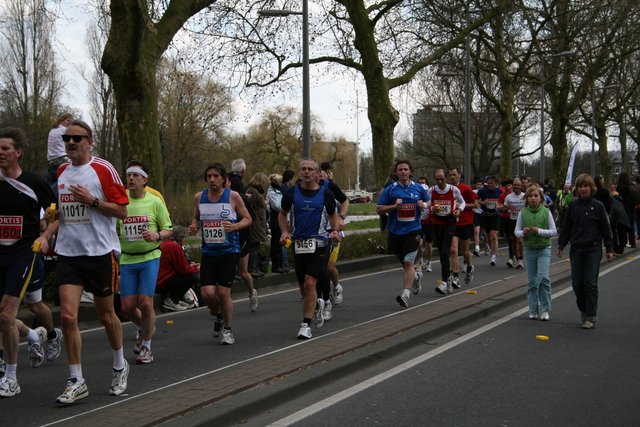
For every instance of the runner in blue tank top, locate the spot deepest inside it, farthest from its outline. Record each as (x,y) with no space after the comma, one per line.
(312,207)
(219,213)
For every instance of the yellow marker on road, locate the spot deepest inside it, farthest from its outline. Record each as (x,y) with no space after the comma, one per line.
(632,258)
(471,292)
(169,322)
(542,337)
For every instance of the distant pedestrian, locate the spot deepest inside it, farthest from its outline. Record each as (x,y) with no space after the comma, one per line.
(535,226)
(585,226)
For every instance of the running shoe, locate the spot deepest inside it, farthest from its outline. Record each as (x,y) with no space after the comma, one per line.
(326,313)
(429,269)
(533,316)
(493,261)
(145,356)
(588,324)
(476,251)
(417,287)
(442,288)
(544,316)
(253,301)
(227,337)
(337,294)
(190,299)
(74,391)
(169,305)
(403,300)
(3,366)
(9,387)
(318,320)
(305,332)
(487,251)
(468,277)
(138,345)
(510,263)
(455,282)
(52,347)
(520,264)
(119,382)
(217,327)
(36,350)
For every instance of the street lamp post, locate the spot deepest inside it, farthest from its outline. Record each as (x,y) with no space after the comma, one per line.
(306,97)
(593,125)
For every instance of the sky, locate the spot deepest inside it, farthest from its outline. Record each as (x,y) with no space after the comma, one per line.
(340,105)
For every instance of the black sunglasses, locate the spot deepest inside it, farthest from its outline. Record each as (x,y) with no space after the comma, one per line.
(76,138)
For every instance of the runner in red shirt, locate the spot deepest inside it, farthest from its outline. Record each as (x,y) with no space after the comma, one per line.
(464,230)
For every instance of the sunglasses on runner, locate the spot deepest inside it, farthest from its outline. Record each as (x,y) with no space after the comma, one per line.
(76,138)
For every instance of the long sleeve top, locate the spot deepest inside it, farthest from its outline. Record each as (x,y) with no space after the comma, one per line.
(586,225)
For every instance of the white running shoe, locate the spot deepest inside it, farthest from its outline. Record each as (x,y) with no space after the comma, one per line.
(119,382)
(468,277)
(476,251)
(253,301)
(74,391)
(9,387)
(403,300)
(455,282)
(305,332)
(169,305)
(510,263)
(493,261)
(487,251)
(227,337)
(429,269)
(36,350)
(417,287)
(217,327)
(52,347)
(443,287)
(326,313)
(318,320)
(3,366)
(520,264)
(544,316)
(337,294)
(145,356)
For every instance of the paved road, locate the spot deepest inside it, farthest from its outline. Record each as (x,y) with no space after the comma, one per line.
(185,349)
(495,372)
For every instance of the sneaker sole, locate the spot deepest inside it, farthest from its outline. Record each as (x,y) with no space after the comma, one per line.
(401,302)
(69,402)
(440,291)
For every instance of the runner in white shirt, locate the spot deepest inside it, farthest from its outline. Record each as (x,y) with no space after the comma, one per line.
(91,197)
(514,203)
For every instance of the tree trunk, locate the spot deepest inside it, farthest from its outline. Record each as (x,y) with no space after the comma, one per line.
(559,144)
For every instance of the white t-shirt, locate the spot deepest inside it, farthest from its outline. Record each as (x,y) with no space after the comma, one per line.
(55,144)
(84,231)
(515,203)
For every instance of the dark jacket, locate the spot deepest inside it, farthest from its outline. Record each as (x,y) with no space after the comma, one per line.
(617,213)
(586,225)
(236,182)
(603,195)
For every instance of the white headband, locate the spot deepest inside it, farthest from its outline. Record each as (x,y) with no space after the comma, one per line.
(137,170)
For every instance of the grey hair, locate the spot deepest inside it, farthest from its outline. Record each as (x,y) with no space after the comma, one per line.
(310,159)
(238,165)
(179,233)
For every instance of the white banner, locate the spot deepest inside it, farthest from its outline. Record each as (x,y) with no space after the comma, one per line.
(572,161)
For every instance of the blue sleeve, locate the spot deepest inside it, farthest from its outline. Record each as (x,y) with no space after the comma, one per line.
(384,197)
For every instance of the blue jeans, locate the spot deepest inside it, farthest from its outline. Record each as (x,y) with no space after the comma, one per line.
(585,268)
(538,261)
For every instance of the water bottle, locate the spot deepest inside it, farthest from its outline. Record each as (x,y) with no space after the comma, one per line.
(269,267)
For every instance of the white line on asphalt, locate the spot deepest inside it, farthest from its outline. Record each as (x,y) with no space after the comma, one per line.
(300,415)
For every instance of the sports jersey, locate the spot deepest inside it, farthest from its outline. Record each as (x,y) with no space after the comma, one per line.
(407,218)
(20,213)
(492,197)
(215,240)
(503,214)
(425,216)
(515,202)
(84,230)
(310,212)
(147,212)
(469,196)
(446,199)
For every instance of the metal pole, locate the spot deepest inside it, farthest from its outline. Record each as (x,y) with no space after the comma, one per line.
(306,99)
(542,123)
(467,114)
(593,132)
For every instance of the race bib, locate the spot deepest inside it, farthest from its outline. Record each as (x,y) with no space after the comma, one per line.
(213,232)
(74,212)
(407,212)
(492,203)
(306,246)
(10,229)
(514,213)
(424,213)
(133,227)
(445,209)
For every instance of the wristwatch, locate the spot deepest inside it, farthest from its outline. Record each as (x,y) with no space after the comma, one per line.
(95,203)
(342,216)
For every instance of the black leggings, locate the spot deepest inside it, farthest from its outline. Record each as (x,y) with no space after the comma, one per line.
(442,236)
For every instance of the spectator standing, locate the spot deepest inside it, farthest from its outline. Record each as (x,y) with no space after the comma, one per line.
(274,196)
(256,233)
(625,191)
(585,227)
(535,226)
(56,154)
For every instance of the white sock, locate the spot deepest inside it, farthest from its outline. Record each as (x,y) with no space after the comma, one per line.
(146,344)
(75,371)
(406,293)
(32,336)
(118,359)
(11,371)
